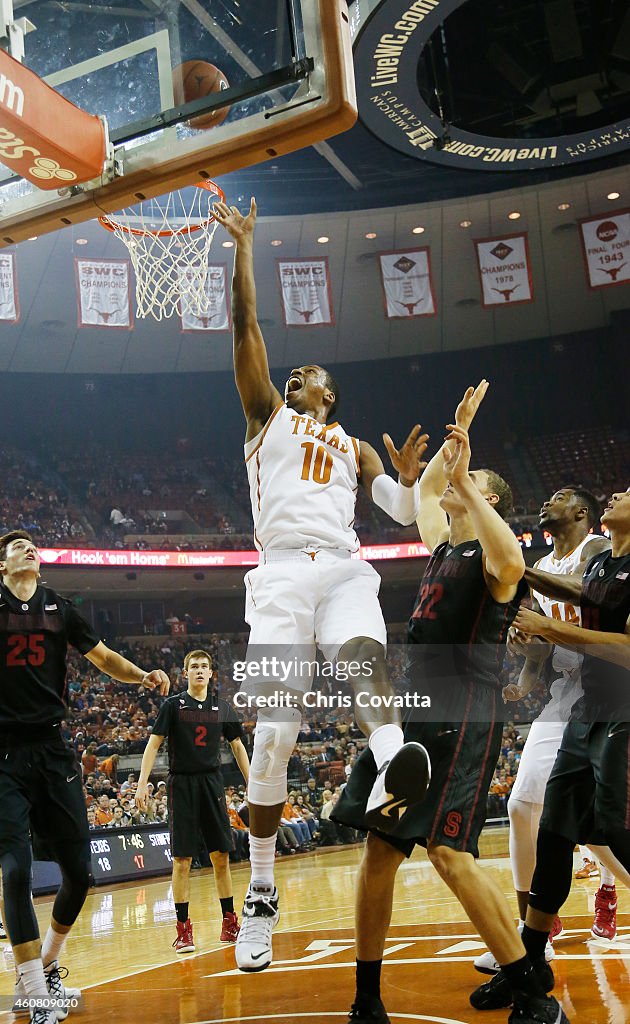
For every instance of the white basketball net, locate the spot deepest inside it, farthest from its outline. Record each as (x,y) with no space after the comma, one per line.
(168,240)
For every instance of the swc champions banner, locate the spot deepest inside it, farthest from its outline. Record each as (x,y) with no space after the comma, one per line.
(9,304)
(103,293)
(504,270)
(389,37)
(200,559)
(217,316)
(606,249)
(407,284)
(305,292)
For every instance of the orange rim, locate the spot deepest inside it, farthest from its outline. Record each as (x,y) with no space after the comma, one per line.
(210,186)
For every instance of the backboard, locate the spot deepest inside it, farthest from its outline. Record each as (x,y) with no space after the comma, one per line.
(288,64)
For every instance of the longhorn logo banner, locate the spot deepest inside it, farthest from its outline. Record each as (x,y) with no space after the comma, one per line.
(606,249)
(305,292)
(9,303)
(216,315)
(504,270)
(103,292)
(407,284)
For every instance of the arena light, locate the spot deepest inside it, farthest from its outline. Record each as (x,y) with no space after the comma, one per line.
(514,215)
(276,241)
(564,206)
(323,239)
(465,223)
(370,234)
(227,245)
(613,195)
(419,230)
(81,241)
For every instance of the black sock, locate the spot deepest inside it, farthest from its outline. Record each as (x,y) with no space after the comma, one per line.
(523,978)
(369,978)
(181,909)
(227,905)
(534,942)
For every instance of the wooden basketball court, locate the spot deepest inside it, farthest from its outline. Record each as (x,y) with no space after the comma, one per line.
(120,951)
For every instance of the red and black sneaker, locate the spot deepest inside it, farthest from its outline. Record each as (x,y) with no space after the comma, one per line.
(605,923)
(230,927)
(184,943)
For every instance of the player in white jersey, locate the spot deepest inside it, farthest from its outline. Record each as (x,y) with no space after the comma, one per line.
(307,591)
(568,516)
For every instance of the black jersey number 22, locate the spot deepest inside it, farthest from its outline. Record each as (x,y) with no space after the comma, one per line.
(25,650)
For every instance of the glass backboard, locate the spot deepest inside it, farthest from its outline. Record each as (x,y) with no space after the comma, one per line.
(286,82)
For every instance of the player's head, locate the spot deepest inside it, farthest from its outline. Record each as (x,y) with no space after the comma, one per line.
(18,553)
(567,506)
(493,487)
(617,512)
(198,667)
(312,389)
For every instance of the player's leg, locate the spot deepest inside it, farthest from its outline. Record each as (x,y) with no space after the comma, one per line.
(611,756)
(223,881)
(350,628)
(184,825)
(373,911)
(218,835)
(589,868)
(280,610)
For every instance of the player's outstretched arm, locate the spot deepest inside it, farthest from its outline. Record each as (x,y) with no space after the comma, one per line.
(432,520)
(567,587)
(241,758)
(400,501)
(148,760)
(124,671)
(503,557)
(612,647)
(251,368)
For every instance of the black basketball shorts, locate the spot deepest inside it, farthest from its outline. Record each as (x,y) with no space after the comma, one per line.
(196,803)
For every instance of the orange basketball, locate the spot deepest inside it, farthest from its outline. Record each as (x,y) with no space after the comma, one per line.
(197,78)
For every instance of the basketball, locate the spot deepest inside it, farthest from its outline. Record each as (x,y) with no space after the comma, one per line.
(197,78)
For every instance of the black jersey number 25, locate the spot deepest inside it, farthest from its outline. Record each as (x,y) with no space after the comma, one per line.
(25,650)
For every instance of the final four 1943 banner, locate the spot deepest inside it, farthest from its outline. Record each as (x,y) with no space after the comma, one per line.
(103,293)
(407,285)
(305,292)
(606,248)
(504,270)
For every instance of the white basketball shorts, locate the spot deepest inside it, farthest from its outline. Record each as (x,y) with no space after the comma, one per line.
(537,760)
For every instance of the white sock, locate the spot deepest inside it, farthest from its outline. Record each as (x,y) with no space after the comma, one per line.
(606,876)
(32,977)
(586,854)
(262,854)
(384,742)
(52,946)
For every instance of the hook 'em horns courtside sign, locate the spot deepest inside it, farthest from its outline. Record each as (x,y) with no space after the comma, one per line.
(389,37)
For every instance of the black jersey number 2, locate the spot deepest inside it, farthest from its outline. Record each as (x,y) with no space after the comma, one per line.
(25,650)
(200,736)
(430,595)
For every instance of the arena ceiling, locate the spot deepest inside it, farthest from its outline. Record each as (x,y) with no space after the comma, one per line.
(537,67)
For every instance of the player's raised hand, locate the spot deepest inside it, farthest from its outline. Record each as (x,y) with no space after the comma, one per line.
(231,218)
(407,461)
(142,796)
(456,454)
(467,408)
(157,679)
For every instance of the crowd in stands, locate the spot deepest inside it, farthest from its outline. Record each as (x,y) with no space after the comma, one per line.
(170,501)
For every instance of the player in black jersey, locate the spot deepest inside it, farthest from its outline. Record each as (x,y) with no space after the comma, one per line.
(468,598)
(194,722)
(40,780)
(588,793)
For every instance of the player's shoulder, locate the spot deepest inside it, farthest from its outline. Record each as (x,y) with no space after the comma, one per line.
(226,709)
(593,546)
(596,561)
(54,602)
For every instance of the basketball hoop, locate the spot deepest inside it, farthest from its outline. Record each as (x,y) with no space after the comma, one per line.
(168,240)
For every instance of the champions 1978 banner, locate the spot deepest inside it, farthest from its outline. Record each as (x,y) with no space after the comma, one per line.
(9,304)
(216,314)
(305,292)
(103,293)
(504,270)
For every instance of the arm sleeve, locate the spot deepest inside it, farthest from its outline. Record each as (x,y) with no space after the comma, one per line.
(400,502)
(231,726)
(79,632)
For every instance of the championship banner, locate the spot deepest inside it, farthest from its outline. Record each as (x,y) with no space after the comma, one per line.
(606,249)
(103,293)
(305,292)
(9,303)
(504,270)
(217,315)
(407,284)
